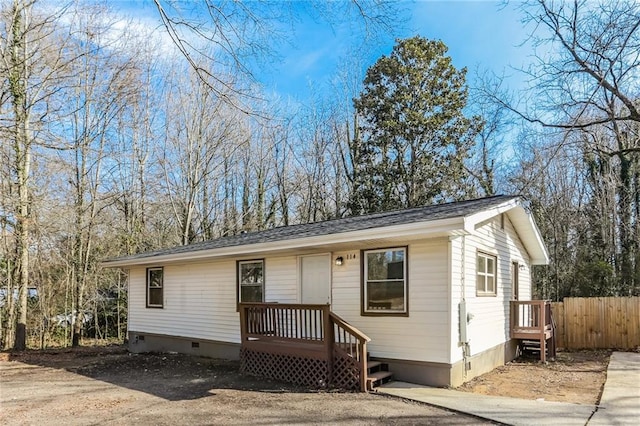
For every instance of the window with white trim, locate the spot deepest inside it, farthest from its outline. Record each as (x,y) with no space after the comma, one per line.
(385,281)
(251,281)
(155,287)
(486,275)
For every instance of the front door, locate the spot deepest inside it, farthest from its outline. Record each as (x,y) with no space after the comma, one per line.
(515,277)
(315,275)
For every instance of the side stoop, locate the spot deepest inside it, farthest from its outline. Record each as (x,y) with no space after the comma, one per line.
(377,374)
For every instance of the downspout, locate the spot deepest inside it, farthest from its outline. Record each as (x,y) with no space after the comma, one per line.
(450,296)
(462,277)
(462,310)
(127,336)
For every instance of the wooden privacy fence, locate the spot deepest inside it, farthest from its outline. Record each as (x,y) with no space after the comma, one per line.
(597,322)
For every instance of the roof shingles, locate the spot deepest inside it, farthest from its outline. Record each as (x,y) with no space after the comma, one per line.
(336,226)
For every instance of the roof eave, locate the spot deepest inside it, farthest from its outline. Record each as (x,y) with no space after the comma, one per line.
(542,255)
(525,227)
(530,235)
(473,220)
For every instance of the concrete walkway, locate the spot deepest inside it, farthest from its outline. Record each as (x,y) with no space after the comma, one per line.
(620,402)
(511,411)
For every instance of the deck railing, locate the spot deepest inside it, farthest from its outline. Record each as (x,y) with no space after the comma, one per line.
(349,345)
(302,343)
(530,316)
(282,321)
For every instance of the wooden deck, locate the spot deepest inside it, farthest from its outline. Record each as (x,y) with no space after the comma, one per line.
(305,344)
(532,320)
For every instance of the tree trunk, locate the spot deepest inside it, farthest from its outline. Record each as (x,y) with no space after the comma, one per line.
(22,150)
(9,321)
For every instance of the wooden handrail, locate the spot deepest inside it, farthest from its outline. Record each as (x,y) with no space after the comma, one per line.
(285,305)
(359,334)
(346,344)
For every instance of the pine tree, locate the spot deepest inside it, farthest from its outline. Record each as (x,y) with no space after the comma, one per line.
(413,135)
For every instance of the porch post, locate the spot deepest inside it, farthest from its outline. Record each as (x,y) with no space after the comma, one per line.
(243,324)
(329,339)
(363,366)
(543,325)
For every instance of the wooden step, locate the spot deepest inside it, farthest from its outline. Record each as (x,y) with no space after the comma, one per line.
(373,365)
(378,378)
(532,345)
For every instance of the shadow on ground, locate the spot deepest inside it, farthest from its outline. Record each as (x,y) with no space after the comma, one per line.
(171,376)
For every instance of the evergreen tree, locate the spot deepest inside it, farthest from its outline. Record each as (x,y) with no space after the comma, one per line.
(413,136)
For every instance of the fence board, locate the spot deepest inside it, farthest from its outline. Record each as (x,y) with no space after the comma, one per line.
(557,308)
(597,322)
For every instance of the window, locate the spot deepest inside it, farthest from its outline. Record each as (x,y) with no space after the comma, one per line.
(385,281)
(155,287)
(251,281)
(486,275)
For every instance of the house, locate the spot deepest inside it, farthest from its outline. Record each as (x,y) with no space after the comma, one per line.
(428,291)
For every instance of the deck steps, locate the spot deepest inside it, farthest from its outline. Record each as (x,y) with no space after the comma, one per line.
(376,379)
(378,374)
(373,365)
(532,347)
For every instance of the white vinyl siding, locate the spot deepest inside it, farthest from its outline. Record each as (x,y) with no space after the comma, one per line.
(200,298)
(282,279)
(421,336)
(490,324)
(199,302)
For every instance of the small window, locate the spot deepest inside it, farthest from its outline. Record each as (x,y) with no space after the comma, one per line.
(486,275)
(155,287)
(385,281)
(251,281)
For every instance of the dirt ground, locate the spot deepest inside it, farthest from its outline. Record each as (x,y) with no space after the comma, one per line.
(109,386)
(576,377)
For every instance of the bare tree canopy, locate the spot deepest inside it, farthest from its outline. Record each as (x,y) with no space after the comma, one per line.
(224,39)
(592,74)
(580,153)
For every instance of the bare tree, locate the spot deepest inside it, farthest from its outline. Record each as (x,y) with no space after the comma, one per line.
(102,90)
(491,148)
(199,130)
(244,34)
(584,96)
(31,67)
(7,252)
(593,77)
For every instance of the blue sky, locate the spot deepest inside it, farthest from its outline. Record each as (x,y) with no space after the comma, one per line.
(480,34)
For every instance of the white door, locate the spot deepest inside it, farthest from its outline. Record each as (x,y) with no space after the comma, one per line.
(315,274)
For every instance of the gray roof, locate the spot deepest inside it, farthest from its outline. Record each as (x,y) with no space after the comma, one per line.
(336,226)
